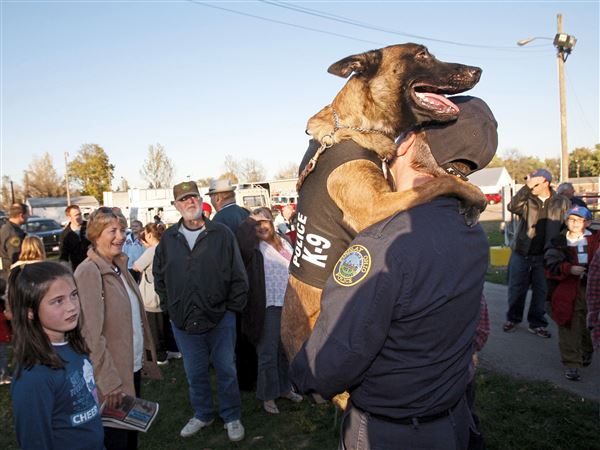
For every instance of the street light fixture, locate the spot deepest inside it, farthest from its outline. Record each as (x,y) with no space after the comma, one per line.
(523,42)
(564,44)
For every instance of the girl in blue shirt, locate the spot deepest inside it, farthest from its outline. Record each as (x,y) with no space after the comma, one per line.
(54,397)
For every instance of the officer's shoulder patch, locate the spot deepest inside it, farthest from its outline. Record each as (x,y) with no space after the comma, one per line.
(353,266)
(14,241)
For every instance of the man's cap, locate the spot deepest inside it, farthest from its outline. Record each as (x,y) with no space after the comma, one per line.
(186,188)
(471,139)
(541,173)
(217,186)
(579,211)
(206,208)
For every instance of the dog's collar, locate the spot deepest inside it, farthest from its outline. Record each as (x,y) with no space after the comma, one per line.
(339,126)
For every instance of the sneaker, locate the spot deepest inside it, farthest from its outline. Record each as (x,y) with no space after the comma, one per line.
(292,396)
(235,430)
(540,331)
(5,379)
(509,326)
(271,407)
(193,426)
(572,374)
(163,362)
(587,359)
(174,355)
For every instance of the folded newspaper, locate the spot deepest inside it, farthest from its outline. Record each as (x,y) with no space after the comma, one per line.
(132,414)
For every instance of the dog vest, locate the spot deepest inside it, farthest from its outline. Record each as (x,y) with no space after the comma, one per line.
(322,235)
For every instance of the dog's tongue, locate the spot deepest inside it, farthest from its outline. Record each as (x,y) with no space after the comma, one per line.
(438,102)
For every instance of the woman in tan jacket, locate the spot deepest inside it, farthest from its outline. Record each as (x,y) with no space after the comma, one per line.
(114,324)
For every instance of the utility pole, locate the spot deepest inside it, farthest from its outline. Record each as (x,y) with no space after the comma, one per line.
(564,44)
(561,57)
(67,179)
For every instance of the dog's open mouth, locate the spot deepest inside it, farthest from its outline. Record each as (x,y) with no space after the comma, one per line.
(436,103)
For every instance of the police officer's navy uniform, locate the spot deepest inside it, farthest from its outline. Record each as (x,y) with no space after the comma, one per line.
(396,330)
(11,238)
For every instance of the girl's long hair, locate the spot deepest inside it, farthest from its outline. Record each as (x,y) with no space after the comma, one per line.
(27,286)
(32,249)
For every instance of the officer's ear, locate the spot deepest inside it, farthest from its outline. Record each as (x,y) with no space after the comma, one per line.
(405,144)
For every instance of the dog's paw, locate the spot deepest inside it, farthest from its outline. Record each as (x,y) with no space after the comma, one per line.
(471,214)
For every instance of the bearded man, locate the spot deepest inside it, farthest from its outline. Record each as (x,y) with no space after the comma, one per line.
(201,281)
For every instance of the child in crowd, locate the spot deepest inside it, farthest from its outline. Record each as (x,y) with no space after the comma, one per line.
(32,250)
(54,397)
(566,262)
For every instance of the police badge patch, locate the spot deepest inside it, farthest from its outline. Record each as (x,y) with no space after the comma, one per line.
(353,266)
(14,241)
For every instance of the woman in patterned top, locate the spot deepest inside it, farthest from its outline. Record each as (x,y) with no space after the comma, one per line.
(266,256)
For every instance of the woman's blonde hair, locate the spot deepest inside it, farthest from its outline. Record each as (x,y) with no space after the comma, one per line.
(100,219)
(32,249)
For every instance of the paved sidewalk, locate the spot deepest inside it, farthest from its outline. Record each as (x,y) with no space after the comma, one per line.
(525,355)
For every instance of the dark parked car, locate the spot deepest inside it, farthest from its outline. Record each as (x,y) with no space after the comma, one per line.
(48,230)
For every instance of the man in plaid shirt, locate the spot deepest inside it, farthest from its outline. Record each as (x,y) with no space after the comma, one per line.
(593,300)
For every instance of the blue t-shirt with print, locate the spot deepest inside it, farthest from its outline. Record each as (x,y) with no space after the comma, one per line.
(58,408)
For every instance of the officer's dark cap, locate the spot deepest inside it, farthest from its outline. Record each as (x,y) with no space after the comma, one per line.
(472,139)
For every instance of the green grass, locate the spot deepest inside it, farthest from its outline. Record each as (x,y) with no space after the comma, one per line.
(515,414)
(495,274)
(494,234)
(519,414)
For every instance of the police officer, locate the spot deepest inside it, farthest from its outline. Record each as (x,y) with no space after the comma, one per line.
(11,237)
(399,313)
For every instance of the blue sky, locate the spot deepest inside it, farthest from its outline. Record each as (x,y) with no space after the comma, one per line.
(206,83)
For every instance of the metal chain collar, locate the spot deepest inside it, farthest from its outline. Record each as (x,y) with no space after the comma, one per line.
(339,126)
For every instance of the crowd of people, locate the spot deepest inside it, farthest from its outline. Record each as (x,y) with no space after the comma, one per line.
(402,316)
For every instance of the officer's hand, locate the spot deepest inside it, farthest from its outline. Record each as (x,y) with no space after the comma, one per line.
(577,270)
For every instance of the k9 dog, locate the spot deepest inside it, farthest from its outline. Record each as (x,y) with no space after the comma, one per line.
(342,186)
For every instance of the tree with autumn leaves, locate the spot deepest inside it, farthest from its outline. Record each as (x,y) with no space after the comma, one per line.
(91,171)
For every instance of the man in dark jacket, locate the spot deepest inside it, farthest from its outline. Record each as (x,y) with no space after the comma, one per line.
(73,242)
(541,213)
(222,197)
(201,281)
(11,237)
(399,314)
(229,213)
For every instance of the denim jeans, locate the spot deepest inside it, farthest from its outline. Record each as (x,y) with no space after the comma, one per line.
(524,271)
(273,380)
(216,346)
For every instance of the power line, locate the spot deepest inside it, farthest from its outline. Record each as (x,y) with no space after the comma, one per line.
(585,120)
(281,22)
(341,19)
(350,22)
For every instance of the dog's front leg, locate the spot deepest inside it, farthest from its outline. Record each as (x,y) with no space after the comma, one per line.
(362,193)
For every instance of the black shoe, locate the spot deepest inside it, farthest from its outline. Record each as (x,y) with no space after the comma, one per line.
(572,374)
(540,331)
(509,326)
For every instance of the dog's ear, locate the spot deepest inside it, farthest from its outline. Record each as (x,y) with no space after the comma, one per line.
(363,63)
